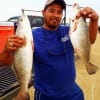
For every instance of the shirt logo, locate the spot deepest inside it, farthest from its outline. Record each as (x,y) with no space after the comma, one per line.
(65,38)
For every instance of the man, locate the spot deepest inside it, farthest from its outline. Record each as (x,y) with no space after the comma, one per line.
(53,54)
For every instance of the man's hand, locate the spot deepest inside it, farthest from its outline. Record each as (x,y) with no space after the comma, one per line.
(88,12)
(14,42)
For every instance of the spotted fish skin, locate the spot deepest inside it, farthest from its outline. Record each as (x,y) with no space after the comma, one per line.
(23,57)
(79,35)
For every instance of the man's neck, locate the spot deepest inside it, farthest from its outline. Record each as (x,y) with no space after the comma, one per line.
(49,28)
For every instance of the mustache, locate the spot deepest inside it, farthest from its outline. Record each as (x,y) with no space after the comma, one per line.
(55,18)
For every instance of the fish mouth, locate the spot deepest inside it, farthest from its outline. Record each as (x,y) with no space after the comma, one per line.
(55,21)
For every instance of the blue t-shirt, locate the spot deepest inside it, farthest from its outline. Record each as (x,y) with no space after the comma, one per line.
(54,66)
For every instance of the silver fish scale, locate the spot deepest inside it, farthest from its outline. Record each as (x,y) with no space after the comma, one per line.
(23,57)
(79,35)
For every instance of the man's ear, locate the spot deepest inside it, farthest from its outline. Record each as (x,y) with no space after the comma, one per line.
(43,12)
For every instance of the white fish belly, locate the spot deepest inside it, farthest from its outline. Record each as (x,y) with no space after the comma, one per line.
(80,41)
(23,59)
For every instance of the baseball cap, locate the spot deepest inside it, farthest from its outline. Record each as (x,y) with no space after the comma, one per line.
(60,2)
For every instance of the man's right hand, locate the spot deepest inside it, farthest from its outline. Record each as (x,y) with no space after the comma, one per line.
(14,42)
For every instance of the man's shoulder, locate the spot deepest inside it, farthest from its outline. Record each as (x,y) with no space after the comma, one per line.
(64,28)
(36,30)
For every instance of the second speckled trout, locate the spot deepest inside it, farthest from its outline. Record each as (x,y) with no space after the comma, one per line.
(80,39)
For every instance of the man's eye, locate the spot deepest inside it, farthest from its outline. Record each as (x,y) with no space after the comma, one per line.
(60,12)
(51,11)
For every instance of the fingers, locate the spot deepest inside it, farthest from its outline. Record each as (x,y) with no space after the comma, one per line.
(14,42)
(87,12)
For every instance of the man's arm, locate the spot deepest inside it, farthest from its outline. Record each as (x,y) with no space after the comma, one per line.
(6,58)
(93,28)
(12,44)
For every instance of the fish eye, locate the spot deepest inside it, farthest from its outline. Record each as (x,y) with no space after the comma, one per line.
(20,19)
(73,20)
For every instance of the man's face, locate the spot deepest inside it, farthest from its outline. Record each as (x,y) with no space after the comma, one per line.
(52,16)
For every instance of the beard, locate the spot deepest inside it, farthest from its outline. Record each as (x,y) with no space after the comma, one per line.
(53,24)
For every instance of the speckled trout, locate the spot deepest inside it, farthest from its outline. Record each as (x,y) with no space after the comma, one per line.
(23,57)
(79,36)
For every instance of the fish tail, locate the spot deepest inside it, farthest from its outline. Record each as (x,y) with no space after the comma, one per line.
(91,68)
(25,96)
(24,82)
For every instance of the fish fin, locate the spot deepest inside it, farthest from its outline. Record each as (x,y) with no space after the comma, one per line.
(25,41)
(91,68)
(69,32)
(76,56)
(13,68)
(75,21)
(32,45)
(74,27)
(76,50)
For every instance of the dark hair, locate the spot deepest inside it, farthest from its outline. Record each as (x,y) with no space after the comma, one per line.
(60,2)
